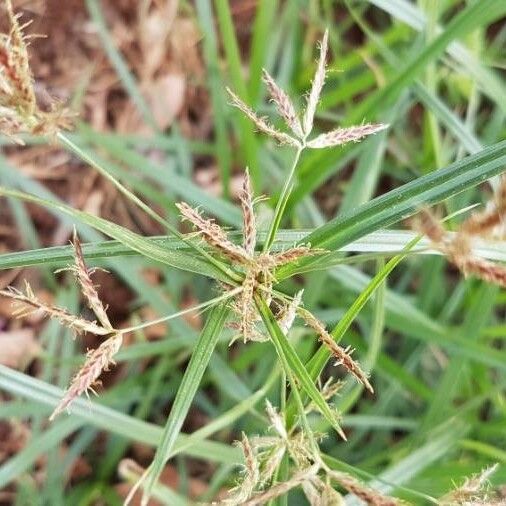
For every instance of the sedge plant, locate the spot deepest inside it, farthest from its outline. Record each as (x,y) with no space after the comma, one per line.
(252,302)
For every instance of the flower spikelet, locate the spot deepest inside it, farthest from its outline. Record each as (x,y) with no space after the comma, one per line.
(300,131)
(19,111)
(317,86)
(261,123)
(27,303)
(355,487)
(213,234)
(342,355)
(341,136)
(97,361)
(82,274)
(283,104)
(249,222)
(458,248)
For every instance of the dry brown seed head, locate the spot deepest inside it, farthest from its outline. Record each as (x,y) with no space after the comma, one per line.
(426,223)
(368,495)
(27,303)
(316,87)
(87,287)
(341,136)
(284,105)
(213,234)
(483,269)
(342,355)
(249,222)
(262,124)
(19,110)
(97,361)
(293,254)
(484,223)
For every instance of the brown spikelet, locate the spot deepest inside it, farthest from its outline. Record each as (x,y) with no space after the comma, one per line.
(249,222)
(87,287)
(458,248)
(341,136)
(427,224)
(246,309)
(213,234)
(483,269)
(484,223)
(283,104)
(97,361)
(16,69)
(283,487)
(368,495)
(287,317)
(27,303)
(343,355)
(316,87)
(262,124)
(293,254)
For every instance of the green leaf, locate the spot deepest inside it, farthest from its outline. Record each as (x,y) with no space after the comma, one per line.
(185,394)
(406,200)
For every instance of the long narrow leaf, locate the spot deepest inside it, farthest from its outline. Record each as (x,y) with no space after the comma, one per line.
(185,394)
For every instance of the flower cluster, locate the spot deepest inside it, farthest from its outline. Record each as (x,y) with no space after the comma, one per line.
(301,129)
(458,247)
(97,360)
(19,111)
(263,455)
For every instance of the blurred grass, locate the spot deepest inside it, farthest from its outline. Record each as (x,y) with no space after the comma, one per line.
(438,412)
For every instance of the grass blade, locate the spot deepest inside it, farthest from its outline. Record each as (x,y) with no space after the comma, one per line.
(185,394)
(406,200)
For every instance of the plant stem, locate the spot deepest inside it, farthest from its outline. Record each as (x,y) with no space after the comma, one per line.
(283,199)
(204,305)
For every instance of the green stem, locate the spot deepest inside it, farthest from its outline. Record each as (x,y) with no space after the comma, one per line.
(199,307)
(283,199)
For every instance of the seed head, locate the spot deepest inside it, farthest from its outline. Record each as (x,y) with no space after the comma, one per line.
(261,123)
(341,136)
(213,234)
(19,111)
(27,303)
(317,86)
(342,355)
(249,222)
(97,361)
(284,105)
(82,274)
